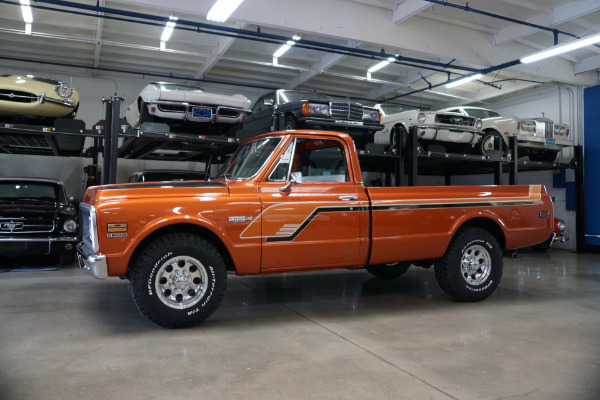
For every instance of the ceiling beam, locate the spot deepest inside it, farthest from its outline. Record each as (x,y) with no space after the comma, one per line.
(407,9)
(321,66)
(224,44)
(562,14)
(587,65)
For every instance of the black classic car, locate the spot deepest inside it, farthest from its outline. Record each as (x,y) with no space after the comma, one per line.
(37,219)
(293,109)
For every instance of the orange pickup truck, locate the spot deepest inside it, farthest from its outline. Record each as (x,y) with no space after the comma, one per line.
(295,201)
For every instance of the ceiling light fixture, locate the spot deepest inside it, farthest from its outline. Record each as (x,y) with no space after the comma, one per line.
(280,51)
(463,80)
(222,9)
(561,48)
(378,66)
(27,15)
(167,32)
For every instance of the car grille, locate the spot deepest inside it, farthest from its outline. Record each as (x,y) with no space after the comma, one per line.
(545,129)
(459,120)
(17,96)
(171,108)
(346,110)
(17,226)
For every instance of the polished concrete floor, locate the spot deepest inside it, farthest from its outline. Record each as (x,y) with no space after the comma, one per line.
(329,335)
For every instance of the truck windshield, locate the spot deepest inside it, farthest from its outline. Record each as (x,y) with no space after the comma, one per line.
(248,159)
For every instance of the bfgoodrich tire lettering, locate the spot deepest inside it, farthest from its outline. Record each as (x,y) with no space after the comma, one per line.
(178,280)
(472,266)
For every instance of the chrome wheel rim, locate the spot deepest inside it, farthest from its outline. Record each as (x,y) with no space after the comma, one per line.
(181,282)
(476,265)
(489,143)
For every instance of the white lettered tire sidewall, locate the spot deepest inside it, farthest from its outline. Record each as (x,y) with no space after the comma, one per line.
(472,266)
(178,281)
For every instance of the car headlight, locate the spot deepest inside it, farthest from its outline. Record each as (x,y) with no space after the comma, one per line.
(560,130)
(315,108)
(421,117)
(561,225)
(478,124)
(70,226)
(528,126)
(63,90)
(370,114)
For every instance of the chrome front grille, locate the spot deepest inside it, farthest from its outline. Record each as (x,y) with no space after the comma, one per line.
(346,110)
(459,120)
(17,226)
(17,96)
(88,226)
(544,128)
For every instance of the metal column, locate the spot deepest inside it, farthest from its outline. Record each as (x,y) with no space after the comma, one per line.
(513,166)
(111,139)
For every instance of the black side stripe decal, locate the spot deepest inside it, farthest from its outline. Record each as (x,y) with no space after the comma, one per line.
(312,216)
(452,205)
(319,210)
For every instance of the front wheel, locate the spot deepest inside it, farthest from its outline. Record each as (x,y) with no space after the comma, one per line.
(290,123)
(472,266)
(388,271)
(178,280)
(492,141)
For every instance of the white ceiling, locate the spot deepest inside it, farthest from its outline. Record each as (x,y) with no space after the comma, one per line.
(436,42)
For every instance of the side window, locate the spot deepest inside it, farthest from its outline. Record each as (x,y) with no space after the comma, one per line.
(282,169)
(260,103)
(320,161)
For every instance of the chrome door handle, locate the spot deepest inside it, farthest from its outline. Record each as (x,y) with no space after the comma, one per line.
(348,198)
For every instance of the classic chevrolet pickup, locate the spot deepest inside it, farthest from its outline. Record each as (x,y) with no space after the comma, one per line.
(295,201)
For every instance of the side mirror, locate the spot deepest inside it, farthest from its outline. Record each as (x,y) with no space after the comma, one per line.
(295,178)
(268,102)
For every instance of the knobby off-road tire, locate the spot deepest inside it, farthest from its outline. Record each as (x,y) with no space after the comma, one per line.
(472,266)
(388,271)
(178,280)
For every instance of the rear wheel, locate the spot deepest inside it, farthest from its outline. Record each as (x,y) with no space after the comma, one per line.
(398,136)
(178,280)
(388,271)
(472,266)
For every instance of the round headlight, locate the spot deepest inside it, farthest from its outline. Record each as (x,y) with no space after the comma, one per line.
(528,126)
(63,90)
(421,117)
(70,226)
(478,124)
(561,225)
(560,130)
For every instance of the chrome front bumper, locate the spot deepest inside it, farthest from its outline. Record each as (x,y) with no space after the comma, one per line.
(95,263)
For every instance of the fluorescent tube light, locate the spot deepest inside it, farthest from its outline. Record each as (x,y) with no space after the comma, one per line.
(163,46)
(561,48)
(380,65)
(168,31)
(26,11)
(28,29)
(463,80)
(222,9)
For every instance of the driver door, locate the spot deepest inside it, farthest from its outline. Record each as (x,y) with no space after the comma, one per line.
(320,222)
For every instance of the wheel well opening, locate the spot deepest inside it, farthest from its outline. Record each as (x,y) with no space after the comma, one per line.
(488,225)
(185,228)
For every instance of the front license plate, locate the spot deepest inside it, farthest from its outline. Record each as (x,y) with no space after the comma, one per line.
(550,142)
(202,112)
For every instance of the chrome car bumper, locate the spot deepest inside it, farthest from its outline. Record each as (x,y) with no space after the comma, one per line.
(95,263)
(447,134)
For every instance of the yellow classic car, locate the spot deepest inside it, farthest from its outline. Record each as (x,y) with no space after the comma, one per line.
(33,96)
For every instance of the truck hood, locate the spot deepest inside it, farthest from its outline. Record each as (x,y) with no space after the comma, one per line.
(119,192)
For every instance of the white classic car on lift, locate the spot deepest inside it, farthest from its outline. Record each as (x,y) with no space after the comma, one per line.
(185,108)
(456,133)
(538,138)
